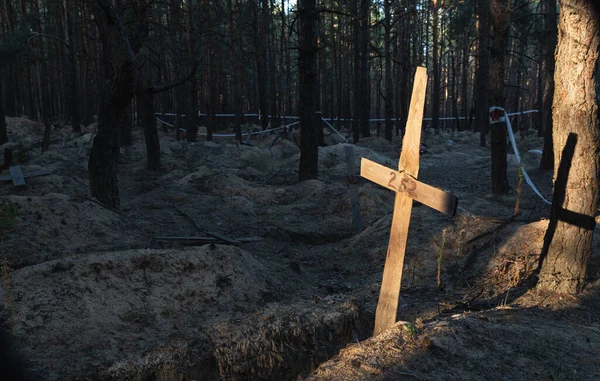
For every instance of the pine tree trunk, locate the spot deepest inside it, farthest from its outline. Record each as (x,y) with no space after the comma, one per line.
(576,138)
(482,76)
(261,64)
(364,82)
(547,160)
(104,157)
(389,85)
(127,127)
(307,65)
(357,96)
(464,90)
(435,93)
(192,117)
(3,131)
(145,101)
(498,135)
(73,89)
(116,97)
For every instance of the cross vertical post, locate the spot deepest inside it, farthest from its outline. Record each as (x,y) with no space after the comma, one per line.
(404,182)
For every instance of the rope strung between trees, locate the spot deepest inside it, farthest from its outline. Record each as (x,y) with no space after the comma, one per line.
(495,118)
(233,135)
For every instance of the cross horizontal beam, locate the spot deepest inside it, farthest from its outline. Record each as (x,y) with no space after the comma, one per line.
(402,182)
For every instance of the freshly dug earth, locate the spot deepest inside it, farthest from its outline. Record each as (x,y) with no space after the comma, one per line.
(223,266)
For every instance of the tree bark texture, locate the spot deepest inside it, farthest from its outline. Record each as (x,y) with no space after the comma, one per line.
(499,38)
(364,83)
(72,94)
(576,138)
(389,85)
(192,117)
(308,90)
(482,76)
(116,97)
(145,101)
(3,131)
(435,93)
(547,160)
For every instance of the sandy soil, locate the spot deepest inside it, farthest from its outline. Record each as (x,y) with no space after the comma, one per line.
(276,284)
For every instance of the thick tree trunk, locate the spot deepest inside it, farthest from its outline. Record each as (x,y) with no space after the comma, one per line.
(576,138)
(104,157)
(307,65)
(116,97)
(547,160)
(482,76)
(498,135)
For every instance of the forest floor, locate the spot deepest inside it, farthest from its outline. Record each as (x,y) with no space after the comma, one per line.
(286,291)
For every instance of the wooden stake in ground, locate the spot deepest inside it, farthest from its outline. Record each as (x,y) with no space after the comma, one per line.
(354,200)
(404,182)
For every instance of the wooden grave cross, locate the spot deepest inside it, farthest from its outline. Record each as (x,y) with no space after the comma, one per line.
(18,177)
(404,182)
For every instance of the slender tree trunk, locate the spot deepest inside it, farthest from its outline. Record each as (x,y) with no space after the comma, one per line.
(576,138)
(73,88)
(454,67)
(357,96)
(261,64)
(482,77)
(464,89)
(307,64)
(547,160)
(3,131)
(127,127)
(364,106)
(192,117)
(435,94)
(145,101)
(320,84)
(235,60)
(389,85)
(498,138)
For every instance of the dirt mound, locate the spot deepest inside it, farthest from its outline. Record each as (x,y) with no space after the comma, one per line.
(381,146)
(62,228)
(500,344)
(104,305)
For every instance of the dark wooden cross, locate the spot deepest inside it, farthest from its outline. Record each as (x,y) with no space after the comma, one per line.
(18,177)
(404,182)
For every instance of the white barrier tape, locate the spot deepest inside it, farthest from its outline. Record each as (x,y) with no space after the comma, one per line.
(514,145)
(523,112)
(334,130)
(163,122)
(229,115)
(349,119)
(251,133)
(229,135)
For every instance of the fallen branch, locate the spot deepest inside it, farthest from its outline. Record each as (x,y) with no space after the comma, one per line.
(270,177)
(212,239)
(494,230)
